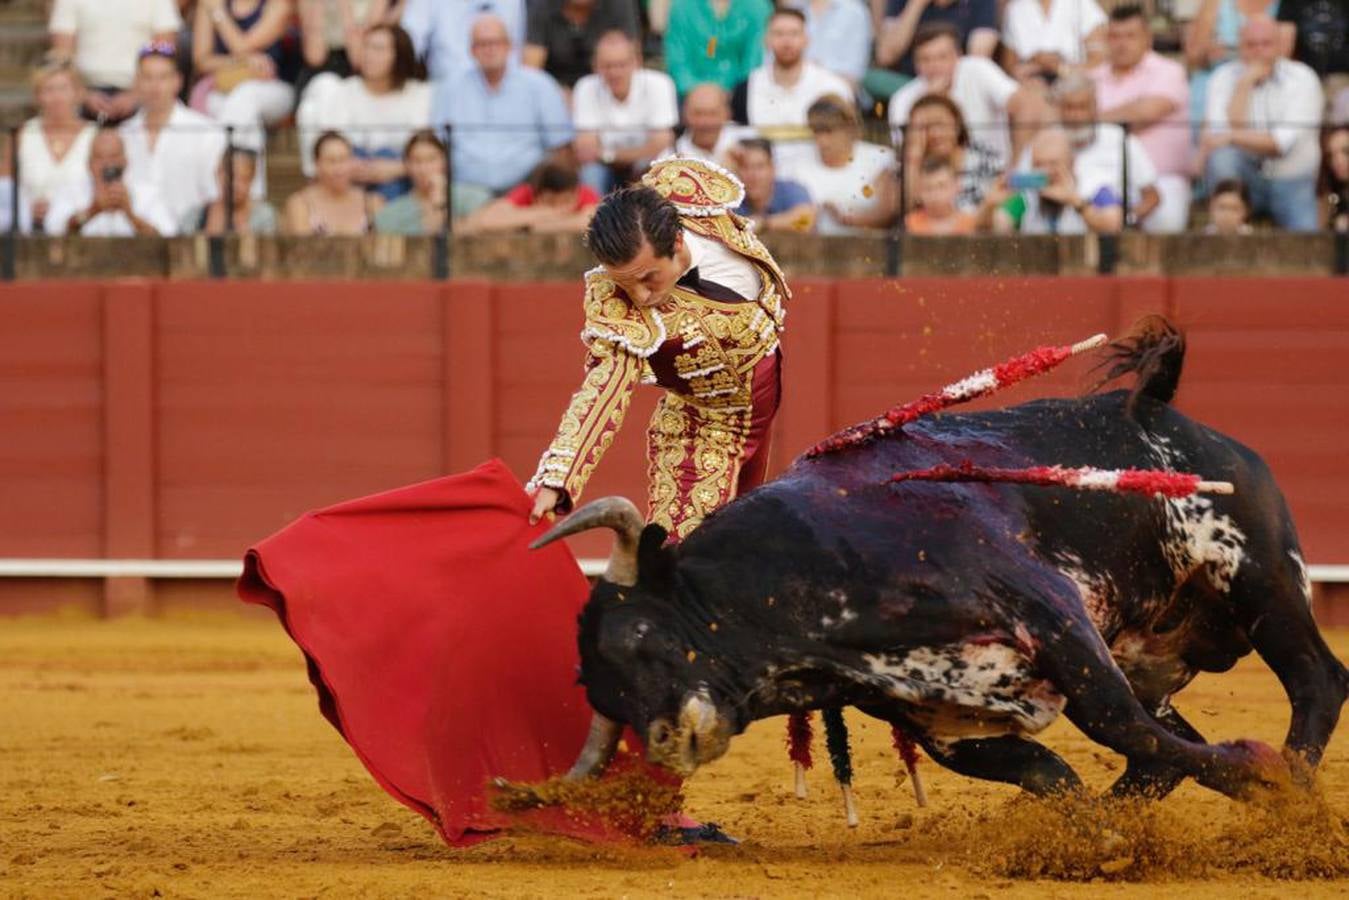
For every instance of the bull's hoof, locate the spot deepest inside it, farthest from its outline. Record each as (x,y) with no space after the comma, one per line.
(706,833)
(509,796)
(1253,771)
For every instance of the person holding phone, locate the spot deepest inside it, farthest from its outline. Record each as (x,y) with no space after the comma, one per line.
(106,204)
(1055,196)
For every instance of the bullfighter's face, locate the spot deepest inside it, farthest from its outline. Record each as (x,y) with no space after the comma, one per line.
(637,670)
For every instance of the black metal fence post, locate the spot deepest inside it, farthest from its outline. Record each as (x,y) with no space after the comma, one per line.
(440,246)
(216,244)
(894,239)
(11,239)
(1125,200)
(1342,253)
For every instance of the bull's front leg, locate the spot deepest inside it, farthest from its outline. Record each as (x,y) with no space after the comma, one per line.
(1154,777)
(1100,703)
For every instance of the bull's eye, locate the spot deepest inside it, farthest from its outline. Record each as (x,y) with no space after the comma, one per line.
(661,732)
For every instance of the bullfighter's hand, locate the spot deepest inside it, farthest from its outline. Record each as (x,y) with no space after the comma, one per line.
(545,503)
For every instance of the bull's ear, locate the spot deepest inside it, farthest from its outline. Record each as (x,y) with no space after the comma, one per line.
(655,561)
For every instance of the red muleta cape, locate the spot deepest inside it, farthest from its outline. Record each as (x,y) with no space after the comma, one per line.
(442,648)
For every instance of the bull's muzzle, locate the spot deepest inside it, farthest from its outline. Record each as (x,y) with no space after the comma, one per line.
(700,736)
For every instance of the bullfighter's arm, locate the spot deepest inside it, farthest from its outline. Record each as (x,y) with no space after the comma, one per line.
(592,418)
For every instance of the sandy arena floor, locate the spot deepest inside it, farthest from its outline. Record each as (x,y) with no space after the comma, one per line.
(187,758)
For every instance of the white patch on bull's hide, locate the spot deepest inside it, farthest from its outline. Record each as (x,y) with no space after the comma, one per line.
(967,690)
(1151,663)
(1304,577)
(1195,537)
(1097,590)
(845,615)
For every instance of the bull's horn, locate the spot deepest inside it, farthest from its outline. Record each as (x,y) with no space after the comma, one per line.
(601,744)
(617,513)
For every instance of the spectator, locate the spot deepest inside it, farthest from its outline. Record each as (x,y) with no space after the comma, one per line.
(106,203)
(54,145)
(773,203)
(440,31)
(938,189)
(973,28)
(987,98)
(708,131)
(1069,200)
(1211,39)
(1322,38)
(625,115)
(249,216)
(777,94)
(376,110)
(332,33)
(1148,93)
(720,41)
(1101,148)
(333,203)
(552,200)
(1335,179)
(838,36)
(102,38)
(851,181)
(421,210)
(168,145)
(1043,37)
(236,45)
(1261,127)
(1229,209)
(7,189)
(562,35)
(937,132)
(522,109)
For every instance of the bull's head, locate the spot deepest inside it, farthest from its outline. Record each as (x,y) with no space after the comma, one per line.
(633,667)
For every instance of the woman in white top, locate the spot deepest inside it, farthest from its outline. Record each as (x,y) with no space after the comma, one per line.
(54,145)
(1042,36)
(331,33)
(377,110)
(852,182)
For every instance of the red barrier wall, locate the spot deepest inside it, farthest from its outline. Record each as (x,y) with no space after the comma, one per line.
(187,419)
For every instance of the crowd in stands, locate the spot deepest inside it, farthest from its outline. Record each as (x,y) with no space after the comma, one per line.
(840,116)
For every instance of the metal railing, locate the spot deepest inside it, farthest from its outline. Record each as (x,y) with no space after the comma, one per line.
(994,134)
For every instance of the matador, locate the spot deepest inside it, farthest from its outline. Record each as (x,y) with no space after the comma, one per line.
(685,297)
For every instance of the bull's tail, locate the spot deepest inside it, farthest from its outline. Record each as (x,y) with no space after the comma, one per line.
(1154,351)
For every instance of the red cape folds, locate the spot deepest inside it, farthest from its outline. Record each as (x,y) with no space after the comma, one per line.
(442,648)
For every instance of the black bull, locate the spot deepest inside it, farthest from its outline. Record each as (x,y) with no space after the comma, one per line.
(971,615)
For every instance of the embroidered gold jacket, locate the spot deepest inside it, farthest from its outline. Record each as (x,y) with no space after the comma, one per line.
(704,350)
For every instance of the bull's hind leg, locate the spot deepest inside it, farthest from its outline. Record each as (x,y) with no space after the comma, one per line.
(1280,626)
(1153,777)
(1009,759)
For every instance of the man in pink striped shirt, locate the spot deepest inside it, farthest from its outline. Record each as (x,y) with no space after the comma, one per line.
(1148,93)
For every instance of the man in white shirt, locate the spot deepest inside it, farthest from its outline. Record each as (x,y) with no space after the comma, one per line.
(107,204)
(1261,124)
(709,133)
(102,37)
(990,101)
(1072,199)
(1099,148)
(775,97)
(168,145)
(624,115)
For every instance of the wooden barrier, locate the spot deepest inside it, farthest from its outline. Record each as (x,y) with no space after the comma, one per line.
(183,420)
